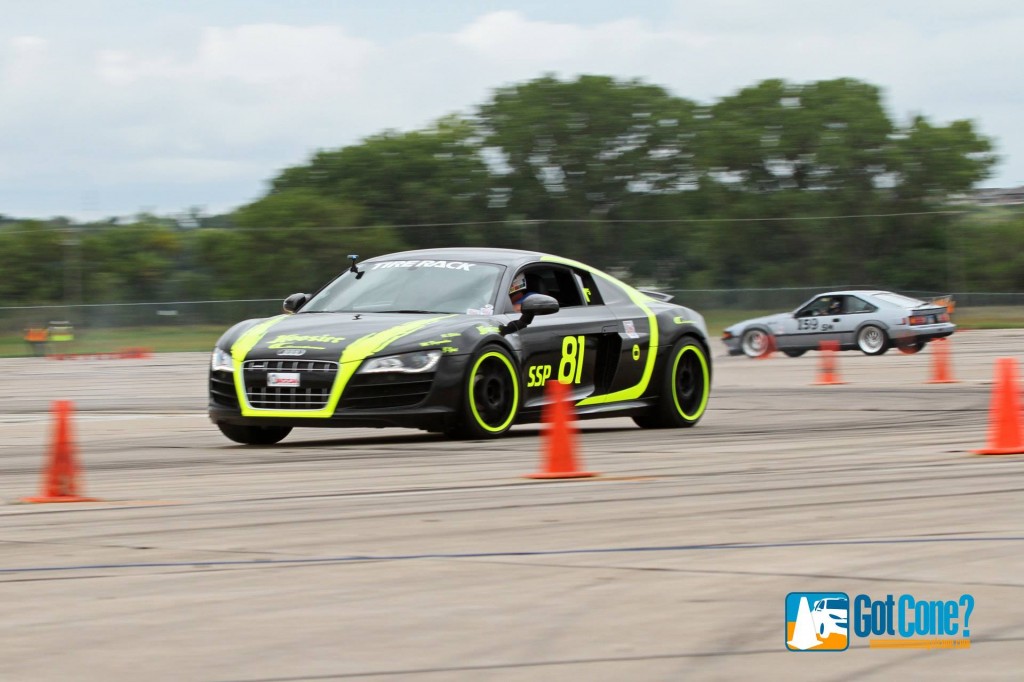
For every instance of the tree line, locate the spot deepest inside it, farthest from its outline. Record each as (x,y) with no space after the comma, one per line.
(779,184)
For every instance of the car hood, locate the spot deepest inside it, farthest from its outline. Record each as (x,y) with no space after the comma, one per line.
(765,321)
(350,336)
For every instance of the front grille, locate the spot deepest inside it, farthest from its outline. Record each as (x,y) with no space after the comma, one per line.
(316,378)
(376,391)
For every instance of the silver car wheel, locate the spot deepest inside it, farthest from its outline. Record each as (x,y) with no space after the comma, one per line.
(756,343)
(871,340)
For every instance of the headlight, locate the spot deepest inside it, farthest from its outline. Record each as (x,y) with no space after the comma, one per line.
(221,361)
(411,363)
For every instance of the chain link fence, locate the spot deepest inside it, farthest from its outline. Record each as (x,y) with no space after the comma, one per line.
(15,319)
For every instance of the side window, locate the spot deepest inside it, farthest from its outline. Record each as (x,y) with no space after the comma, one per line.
(610,293)
(585,281)
(816,307)
(858,305)
(556,281)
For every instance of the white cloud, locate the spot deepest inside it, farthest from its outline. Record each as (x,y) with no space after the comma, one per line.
(233,103)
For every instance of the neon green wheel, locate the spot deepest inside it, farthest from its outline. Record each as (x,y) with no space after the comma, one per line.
(492,395)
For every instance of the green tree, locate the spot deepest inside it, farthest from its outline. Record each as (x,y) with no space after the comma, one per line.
(291,240)
(431,177)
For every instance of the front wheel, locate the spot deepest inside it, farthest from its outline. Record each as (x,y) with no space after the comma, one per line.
(685,388)
(872,340)
(492,395)
(756,343)
(254,435)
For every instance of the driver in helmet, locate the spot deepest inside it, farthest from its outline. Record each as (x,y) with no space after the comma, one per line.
(517,292)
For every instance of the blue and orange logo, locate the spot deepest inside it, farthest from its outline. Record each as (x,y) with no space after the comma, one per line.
(817,621)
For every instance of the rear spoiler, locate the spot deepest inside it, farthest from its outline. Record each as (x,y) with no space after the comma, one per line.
(946,301)
(660,295)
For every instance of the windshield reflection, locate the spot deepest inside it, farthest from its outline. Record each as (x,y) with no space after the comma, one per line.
(411,286)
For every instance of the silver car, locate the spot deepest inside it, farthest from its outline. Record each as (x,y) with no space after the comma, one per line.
(869,321)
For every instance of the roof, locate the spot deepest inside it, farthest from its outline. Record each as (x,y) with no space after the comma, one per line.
(510,257)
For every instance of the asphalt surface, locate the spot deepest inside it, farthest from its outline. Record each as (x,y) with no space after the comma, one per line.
(391,554)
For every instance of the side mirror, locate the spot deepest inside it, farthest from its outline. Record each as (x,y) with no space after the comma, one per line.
(538,304)
(293,303)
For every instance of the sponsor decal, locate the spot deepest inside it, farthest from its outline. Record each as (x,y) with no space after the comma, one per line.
(294,341)
(630,329)
(443,264)
(825,621)
(486,329)
(283,379)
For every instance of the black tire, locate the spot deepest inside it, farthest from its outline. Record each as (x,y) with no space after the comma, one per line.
(492,395)
(684,390)
(872,340)
(795,353)
(910,348)
(254,435)
(756,343)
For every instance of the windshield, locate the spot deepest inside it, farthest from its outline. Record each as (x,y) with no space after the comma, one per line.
(412,286)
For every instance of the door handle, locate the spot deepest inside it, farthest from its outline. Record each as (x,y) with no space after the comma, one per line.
(835,319)
(610,328)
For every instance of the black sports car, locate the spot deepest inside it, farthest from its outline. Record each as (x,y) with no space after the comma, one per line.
(433,340)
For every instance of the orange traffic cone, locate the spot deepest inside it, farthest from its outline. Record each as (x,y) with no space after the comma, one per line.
(1004,435)
(941,373)
(560,442)
(60,481)
(828,374)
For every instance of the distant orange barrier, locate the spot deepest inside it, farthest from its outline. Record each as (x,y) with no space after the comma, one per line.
(122,354)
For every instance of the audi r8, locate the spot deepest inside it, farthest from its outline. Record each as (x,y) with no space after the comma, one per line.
(430,339)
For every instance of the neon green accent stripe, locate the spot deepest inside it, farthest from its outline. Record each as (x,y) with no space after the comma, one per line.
(707,382)
(515,393)
(351,357)
(637,390)
(245,343)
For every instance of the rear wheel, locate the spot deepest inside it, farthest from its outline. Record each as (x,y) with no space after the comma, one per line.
(756,343)
(911,347)
(491,398)
(254,435)
(685,388)
(872,340)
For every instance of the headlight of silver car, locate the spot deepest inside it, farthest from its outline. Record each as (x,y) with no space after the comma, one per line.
(221,361)
(411,363)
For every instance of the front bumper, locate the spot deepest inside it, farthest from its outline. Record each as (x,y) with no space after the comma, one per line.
(375,400)
(732,344)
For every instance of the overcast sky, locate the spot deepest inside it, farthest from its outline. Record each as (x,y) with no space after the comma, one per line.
(111,107)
